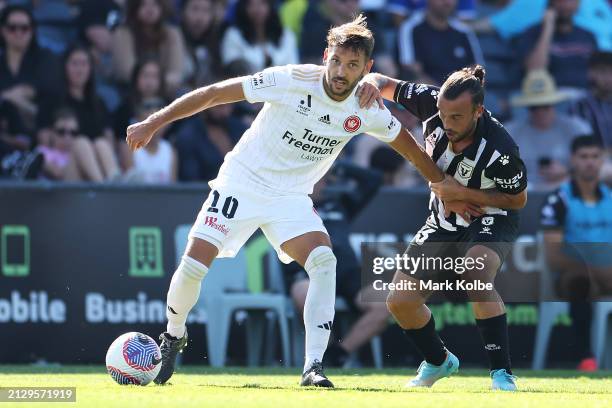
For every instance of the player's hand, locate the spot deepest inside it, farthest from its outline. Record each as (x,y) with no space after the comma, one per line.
(448,189)
(368,94)
(464,209)
(139,135)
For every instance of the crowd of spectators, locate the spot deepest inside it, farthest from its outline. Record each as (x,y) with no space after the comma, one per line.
(75,73)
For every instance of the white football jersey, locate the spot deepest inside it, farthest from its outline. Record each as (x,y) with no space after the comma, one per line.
(299,132)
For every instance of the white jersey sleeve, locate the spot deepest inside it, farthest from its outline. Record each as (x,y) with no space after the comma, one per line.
(383,125)
(269,85)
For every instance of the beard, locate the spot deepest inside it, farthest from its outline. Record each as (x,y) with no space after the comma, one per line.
(349,86)
(463,135)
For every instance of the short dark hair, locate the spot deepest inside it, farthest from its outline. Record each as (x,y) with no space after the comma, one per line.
(471,79)
(600,59)
(354,35)
(585,141)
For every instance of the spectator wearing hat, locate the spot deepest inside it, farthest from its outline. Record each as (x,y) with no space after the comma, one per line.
(544,136)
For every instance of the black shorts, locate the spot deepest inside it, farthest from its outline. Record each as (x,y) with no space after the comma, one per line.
(496,232)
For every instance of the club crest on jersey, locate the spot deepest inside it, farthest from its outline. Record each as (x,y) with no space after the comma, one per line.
(465,170)
(352,123)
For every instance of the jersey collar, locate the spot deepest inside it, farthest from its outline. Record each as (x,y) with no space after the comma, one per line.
(576,191)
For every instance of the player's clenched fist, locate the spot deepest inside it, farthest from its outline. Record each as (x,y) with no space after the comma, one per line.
(139,134)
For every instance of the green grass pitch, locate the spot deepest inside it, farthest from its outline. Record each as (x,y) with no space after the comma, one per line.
(277,388)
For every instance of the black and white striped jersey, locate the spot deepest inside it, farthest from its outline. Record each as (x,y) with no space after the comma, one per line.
(491,161)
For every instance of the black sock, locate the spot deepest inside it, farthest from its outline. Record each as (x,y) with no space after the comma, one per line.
(428,342)
(494,334)
(582,314)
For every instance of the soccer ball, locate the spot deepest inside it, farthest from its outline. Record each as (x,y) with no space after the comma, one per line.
(133,358)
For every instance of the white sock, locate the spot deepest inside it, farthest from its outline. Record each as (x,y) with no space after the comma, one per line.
(320,302)
(183,294)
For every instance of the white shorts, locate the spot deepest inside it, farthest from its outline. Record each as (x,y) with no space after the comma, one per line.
(231,214)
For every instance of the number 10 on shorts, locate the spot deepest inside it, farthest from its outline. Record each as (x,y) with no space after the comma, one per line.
(230,205)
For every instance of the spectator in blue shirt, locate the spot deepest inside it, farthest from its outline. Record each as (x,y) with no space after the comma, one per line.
(400,9)
(433,44)
(518,15)
(577,219)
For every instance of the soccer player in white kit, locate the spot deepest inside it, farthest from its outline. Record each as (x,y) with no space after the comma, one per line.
(310,114)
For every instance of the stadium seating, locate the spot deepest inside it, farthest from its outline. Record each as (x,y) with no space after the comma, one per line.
(226,290)
(602,333)
(548,311)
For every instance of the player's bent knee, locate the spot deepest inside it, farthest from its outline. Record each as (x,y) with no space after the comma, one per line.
(321,263)
(202,251)
(488,258)
(398,304)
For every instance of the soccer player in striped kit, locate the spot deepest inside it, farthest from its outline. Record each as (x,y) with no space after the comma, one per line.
(473,213)
(310,114)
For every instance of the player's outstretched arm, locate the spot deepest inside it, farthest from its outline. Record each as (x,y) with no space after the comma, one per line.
(139,134)
(407,146)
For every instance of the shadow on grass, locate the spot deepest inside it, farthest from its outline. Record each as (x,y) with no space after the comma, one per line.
(399,389)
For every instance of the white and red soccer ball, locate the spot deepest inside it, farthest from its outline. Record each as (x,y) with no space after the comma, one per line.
(133,358)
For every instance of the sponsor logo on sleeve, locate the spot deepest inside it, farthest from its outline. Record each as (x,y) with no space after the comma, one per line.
(262,80)
(508,183)
(408,92)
